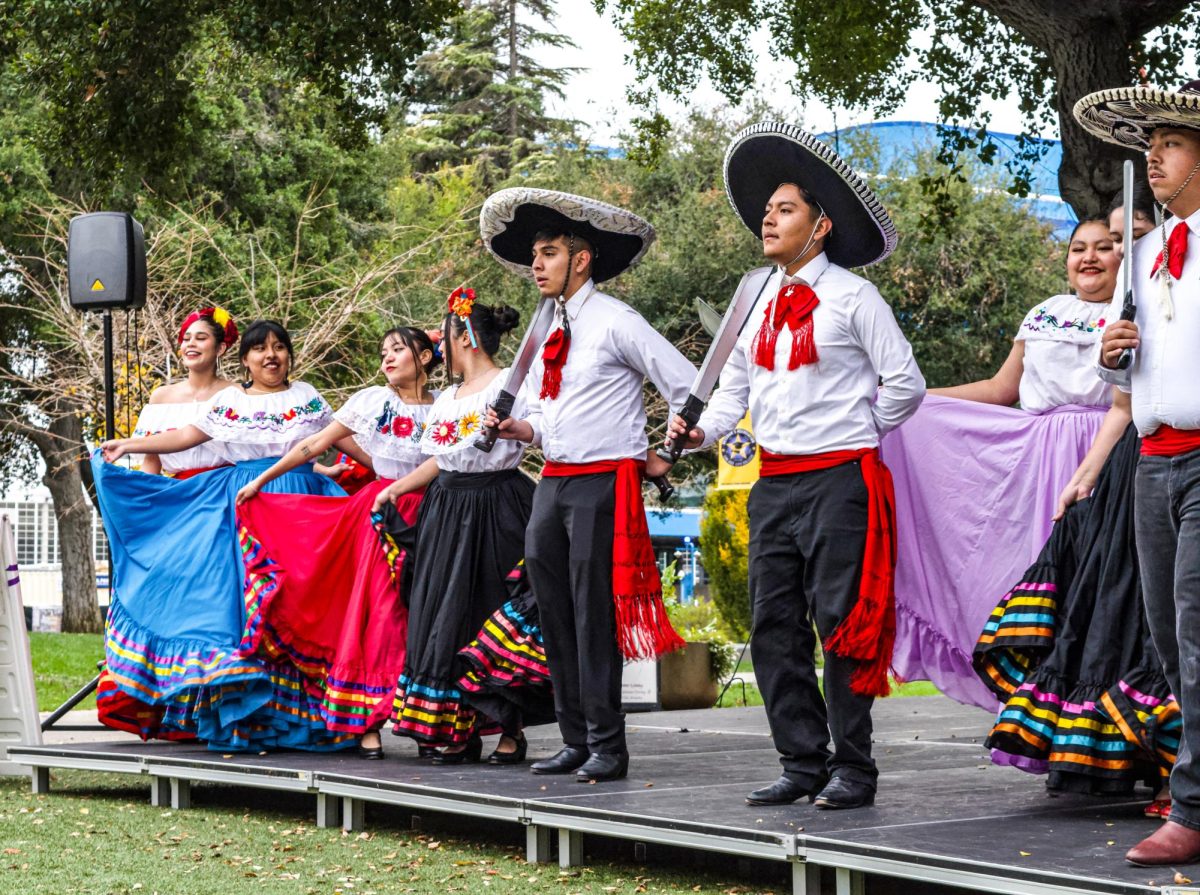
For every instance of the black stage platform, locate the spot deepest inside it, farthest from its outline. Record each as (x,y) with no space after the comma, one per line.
(944,814)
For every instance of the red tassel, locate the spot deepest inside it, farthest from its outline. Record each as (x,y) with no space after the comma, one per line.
(764,343)
(554,357)
(804,347)
(643,628)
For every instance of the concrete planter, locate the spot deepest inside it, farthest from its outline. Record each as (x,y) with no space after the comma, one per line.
(686,680)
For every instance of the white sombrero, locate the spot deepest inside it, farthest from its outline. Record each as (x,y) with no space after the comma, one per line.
(510,219)
(764,155)
(1128,115)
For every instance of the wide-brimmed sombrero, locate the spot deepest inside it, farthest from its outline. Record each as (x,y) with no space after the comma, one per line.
(1128,115)
(770,153)
(510,219)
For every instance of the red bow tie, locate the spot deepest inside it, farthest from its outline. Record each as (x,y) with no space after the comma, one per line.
(793,306)
(1176,251)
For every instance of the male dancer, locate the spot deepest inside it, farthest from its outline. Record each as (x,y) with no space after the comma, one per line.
(1166,411)
(587,548)
(821,518)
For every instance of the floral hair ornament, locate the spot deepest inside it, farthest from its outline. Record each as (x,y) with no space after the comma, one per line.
(461,301)
(220,317)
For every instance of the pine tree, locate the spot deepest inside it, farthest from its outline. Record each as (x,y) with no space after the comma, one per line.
(481,94)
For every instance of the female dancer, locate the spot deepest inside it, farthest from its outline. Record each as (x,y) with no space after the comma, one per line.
(178,614)
(979,483)
(470,536)
(204,338)
(1068,649)
(327,598)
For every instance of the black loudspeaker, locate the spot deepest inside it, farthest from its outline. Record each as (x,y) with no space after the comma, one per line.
(106,261)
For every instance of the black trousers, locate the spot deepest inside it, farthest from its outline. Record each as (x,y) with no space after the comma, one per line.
(568,556)
(807,532)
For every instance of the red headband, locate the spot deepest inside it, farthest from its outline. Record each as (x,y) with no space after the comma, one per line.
(219,316)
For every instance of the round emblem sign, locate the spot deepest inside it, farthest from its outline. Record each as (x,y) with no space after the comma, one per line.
(738,448)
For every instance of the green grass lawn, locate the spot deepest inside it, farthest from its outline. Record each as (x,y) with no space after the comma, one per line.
(62,663)
(97,835)
(748,694)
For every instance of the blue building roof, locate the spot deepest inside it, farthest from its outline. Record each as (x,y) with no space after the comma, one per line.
(898,139)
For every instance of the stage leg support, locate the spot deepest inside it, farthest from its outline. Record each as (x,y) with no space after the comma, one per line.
(850,882)
(537,844)
(181,794)
(806,879)
(329,810)
(354,816)
(570,848)
(39,781)
(160,792)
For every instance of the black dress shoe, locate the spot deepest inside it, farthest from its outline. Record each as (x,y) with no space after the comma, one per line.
(784,791)
(843,793)
(370,753)
(568,759)
(472,753)
(426,751)
(602,766)
(515,757)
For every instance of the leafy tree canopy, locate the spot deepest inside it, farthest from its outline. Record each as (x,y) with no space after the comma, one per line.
(865,54)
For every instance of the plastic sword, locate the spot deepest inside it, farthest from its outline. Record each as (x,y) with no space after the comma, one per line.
(745,297)
(1128,308)
(535,335)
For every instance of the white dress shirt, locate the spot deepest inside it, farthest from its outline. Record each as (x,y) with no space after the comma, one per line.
(599,413)
(1166,364)
(836,403)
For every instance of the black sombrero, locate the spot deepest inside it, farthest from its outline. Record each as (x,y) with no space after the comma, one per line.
(1128,115)
(764,155)
(511,217)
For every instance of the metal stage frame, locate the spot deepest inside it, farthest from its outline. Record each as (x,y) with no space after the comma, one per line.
(944,814)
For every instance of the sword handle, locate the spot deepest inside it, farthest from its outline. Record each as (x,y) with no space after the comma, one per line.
(690,413)
(1128,312)
(503,406)
(665,489)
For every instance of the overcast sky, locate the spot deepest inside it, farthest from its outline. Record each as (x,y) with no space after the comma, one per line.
(597,94)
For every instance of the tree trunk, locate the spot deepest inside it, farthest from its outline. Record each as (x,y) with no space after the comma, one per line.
(61,445)
(514,121)
(1086,60)
(1089,46)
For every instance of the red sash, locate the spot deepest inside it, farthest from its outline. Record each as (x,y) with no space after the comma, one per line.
(1167,441)
(868,634)
(188,473)
(643,629)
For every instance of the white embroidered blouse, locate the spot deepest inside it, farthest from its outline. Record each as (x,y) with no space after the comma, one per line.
(251,427)
(156,418)
(1062,338)
(387,428)
(454,423)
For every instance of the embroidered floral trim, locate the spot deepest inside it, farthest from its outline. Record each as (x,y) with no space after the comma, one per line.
(260,419)
(397,425)
(445,432)
(1043,321)
(453,432)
